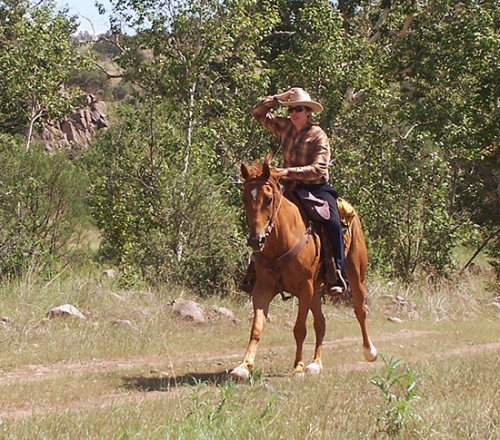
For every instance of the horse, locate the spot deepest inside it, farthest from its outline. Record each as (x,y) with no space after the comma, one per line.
(287,258)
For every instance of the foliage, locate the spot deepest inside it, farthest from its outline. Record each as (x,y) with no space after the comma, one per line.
(410,91)
(403,148)
(201,396)
(157,222)
(399,390)
(92,81)
(37,57)
(195,57)
(41,207)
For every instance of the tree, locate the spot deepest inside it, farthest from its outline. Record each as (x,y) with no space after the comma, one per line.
(41,208)
(198,72)
(37,57)
(411,92)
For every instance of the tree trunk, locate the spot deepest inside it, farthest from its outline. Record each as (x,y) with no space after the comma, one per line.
(189,139)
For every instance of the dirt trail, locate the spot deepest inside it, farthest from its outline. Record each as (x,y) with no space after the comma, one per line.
(41,372)
(153,385)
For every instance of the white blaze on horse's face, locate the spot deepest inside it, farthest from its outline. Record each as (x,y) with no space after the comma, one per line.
(254,194)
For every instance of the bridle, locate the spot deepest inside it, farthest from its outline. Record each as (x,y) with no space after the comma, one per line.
(256,183)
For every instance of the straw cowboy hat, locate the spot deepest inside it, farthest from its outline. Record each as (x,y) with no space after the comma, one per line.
(301,97)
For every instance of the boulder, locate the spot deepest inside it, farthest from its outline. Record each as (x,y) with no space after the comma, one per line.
(64,311)
(189,310)
(77,129)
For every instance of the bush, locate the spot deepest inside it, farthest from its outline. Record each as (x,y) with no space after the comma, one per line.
(158,222)
(41,206)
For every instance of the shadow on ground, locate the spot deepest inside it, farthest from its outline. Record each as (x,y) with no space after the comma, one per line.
(166,383)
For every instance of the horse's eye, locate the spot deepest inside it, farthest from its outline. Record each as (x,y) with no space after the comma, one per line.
(267,201)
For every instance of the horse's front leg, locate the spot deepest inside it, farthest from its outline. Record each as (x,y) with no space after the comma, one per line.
(261,299)
(305,296)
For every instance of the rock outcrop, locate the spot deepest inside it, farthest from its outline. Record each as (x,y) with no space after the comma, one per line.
(76,131)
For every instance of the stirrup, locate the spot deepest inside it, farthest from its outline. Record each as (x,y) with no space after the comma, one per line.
(340,286)
(334,290)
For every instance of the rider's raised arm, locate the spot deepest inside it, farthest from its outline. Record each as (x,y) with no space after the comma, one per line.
(262,111)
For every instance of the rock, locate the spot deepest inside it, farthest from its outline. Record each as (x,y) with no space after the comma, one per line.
(413,315)
(222,311)
(394,319)
(65,310)
(110,273)
(78,128)
(399,300)
(189,310)
(124,323)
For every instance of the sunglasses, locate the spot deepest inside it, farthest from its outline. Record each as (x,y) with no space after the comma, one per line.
(298,109)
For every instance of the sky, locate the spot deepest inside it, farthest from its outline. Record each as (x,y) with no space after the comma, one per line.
(87,14)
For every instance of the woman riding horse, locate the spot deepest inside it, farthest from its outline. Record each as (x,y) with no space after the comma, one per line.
(306,156)
(286,256)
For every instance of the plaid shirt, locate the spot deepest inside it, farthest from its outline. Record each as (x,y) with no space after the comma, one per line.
(306,154)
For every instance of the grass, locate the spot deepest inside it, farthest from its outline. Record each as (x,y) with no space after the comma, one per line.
(166,378)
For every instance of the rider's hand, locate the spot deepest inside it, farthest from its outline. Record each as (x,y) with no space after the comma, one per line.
(285,96)
(282,172)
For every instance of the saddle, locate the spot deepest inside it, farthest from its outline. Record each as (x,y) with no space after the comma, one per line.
(316,211)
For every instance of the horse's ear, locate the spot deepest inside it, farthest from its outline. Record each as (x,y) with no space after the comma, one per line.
(266,172)
(244,171)
(268,158)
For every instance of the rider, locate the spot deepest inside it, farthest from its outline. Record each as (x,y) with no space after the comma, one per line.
(306,156)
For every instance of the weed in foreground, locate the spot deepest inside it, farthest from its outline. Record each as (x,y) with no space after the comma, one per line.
(399,390)
(203,396)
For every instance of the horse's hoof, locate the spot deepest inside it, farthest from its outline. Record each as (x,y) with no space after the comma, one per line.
(240,374)
(299,368)
(313,368)
(370,353)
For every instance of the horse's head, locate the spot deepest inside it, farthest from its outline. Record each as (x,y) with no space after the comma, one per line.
(261,197)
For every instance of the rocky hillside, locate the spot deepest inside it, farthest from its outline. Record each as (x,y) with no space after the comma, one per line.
(76,131)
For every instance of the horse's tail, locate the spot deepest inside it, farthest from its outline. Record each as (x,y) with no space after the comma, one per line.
(357,255)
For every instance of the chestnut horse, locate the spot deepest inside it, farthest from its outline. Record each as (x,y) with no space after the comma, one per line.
(286,258)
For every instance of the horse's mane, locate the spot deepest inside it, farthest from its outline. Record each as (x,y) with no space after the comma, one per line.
(256,168)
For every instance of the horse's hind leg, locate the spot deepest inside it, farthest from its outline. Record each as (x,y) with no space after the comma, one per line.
(359,298)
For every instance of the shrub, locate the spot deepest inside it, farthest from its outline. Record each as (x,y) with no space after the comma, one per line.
(41,206)
(160,222)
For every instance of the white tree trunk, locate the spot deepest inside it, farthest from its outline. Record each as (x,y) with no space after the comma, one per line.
(189,139)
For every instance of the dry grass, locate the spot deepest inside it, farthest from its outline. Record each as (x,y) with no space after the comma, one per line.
(166,378)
